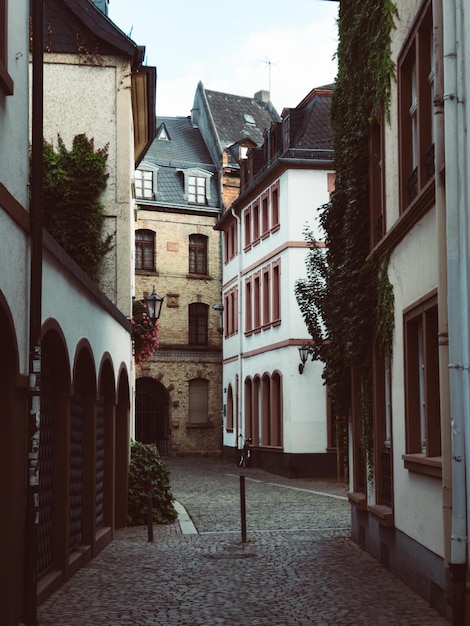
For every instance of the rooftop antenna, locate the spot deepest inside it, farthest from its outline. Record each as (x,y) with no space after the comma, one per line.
(269,63)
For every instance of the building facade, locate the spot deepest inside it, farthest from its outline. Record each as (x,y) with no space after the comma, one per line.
(178,391)
(412,513)
(67,361)
(282,411)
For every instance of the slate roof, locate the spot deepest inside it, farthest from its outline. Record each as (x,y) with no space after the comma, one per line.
(310,121)
(231,117)
(74,26)
(183,150)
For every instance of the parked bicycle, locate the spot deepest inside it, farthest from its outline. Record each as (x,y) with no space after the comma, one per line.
(245,454)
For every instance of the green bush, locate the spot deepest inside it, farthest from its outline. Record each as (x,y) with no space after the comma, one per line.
(147,469)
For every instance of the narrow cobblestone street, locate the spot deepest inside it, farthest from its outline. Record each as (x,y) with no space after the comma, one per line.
(298,566)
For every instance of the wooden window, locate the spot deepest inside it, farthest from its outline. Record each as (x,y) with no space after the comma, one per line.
(267,296)
(198,401)
(145,250)
(197,189)
(276,292)
(422,379)
(144,184)
(249,409)
(248,305)
(416,92)
(255,221)
(198,316)
(231,312)
(382,426)
(257,301)
(275,206)
(276,410)
(376,183)
(229,408)
(230,240)
(6,83)
(247,227)
(197,254)
(266,409)
(265,214)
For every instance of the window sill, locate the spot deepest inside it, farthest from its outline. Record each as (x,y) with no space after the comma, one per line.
(382,513)
(275,228)
(6,82)
(421,464)
(358,499)
(200,425)
(199,276)
(146,272)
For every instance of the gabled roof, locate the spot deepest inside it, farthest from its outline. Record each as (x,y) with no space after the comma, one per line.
(74,24)
(239,117)
(226,119)
(183,151)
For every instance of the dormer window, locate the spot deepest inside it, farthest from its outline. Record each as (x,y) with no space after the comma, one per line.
(144,184)
(162,134)
(196,185)
(197,189)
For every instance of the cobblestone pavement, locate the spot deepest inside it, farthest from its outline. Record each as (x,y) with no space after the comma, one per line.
(298,566)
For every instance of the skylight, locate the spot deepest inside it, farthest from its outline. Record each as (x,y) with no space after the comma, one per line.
(249,119)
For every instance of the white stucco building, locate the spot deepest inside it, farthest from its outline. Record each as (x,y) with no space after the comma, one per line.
(266,399)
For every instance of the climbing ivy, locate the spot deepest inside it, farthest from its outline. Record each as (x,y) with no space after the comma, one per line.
(348,299)
(73,213)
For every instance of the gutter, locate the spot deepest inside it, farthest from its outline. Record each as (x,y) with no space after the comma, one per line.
(457,276)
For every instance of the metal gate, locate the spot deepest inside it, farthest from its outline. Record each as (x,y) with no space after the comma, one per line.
(151,414)
(46,469)
(76,467)
(100,452)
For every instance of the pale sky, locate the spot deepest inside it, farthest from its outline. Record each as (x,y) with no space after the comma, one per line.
(235,47)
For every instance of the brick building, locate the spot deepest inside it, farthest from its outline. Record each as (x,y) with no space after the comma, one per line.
(178,392)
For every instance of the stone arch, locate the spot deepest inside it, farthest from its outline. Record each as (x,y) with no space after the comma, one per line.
(13,420)
(152,413)
(53,453)
(122,448)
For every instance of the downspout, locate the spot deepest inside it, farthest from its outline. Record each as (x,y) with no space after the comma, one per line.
(35,312)
(443,330)
(457,257)
(241,391)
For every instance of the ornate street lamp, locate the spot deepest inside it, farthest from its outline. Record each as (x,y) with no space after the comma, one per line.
(154,304)
(304,352)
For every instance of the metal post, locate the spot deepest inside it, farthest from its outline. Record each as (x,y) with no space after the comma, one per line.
(243,508)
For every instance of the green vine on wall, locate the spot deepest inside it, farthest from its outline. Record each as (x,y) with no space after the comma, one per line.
(73,213)
(355,299)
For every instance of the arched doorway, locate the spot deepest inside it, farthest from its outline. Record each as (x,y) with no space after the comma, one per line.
(13,435)
(152,414)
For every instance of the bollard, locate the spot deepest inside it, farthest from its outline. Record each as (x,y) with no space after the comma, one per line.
(149,512)
(243,508)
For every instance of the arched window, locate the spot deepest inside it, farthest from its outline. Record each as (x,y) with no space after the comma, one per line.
(229,408)
(276,410)
(198,401)
(198,316)
(197,254)
(145,250)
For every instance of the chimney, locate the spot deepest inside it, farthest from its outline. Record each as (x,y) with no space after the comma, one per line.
(102,5)
(262,97)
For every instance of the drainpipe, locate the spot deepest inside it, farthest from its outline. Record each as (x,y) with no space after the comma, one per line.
(241,391)
(33,417)
(443,332)
(457,260)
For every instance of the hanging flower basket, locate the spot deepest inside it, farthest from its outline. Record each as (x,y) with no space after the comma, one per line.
(146,335)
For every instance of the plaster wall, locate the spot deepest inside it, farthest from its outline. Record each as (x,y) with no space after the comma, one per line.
(96,100)
(80,317)
(413,272)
